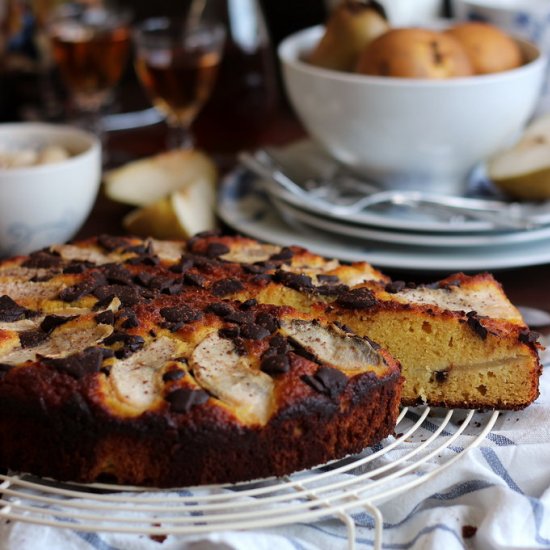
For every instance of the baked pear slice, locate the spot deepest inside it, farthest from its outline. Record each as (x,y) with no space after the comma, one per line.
(218,368)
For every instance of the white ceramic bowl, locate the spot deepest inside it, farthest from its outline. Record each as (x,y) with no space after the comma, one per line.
(410,133)
(45,204)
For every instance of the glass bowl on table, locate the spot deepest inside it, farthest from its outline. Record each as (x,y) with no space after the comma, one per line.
(177,62)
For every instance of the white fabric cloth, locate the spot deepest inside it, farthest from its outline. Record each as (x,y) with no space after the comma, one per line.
(496,496)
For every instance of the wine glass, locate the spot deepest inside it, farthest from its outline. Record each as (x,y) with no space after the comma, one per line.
(90,46)
(177,62)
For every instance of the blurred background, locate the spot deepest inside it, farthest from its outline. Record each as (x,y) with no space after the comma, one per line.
(30,87)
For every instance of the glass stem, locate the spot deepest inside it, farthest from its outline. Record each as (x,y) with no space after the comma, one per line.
(89,116)
(179,136)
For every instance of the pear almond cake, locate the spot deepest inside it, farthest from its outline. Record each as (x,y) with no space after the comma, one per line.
(222,359)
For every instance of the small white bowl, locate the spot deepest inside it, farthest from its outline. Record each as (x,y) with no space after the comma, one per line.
(410,133)
(45,204)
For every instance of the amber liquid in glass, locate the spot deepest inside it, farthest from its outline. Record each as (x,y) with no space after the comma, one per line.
(178,82)
(90,61)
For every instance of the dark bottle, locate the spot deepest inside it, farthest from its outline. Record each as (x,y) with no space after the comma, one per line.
(245,96)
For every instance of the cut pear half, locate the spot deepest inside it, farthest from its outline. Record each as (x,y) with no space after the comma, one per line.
(147,180)
(177,216)
(523,171)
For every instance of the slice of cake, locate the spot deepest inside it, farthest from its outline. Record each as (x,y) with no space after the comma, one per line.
(460,341)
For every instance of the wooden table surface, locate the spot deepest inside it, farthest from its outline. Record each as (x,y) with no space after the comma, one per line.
(526,286)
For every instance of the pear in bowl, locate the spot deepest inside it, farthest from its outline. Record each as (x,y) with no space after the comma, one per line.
(414,53)
(410,133)
(489,49)
(351,27)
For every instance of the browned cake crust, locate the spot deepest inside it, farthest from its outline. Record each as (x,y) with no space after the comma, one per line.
(460,341)
(151,363)
(223,359)
(79,441)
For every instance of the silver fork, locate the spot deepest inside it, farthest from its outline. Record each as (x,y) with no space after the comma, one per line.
(498,213)
(328,197)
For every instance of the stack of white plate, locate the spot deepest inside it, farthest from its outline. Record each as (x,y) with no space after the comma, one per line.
(395,237)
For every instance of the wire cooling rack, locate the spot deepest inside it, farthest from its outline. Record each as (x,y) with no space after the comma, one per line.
(336,490)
